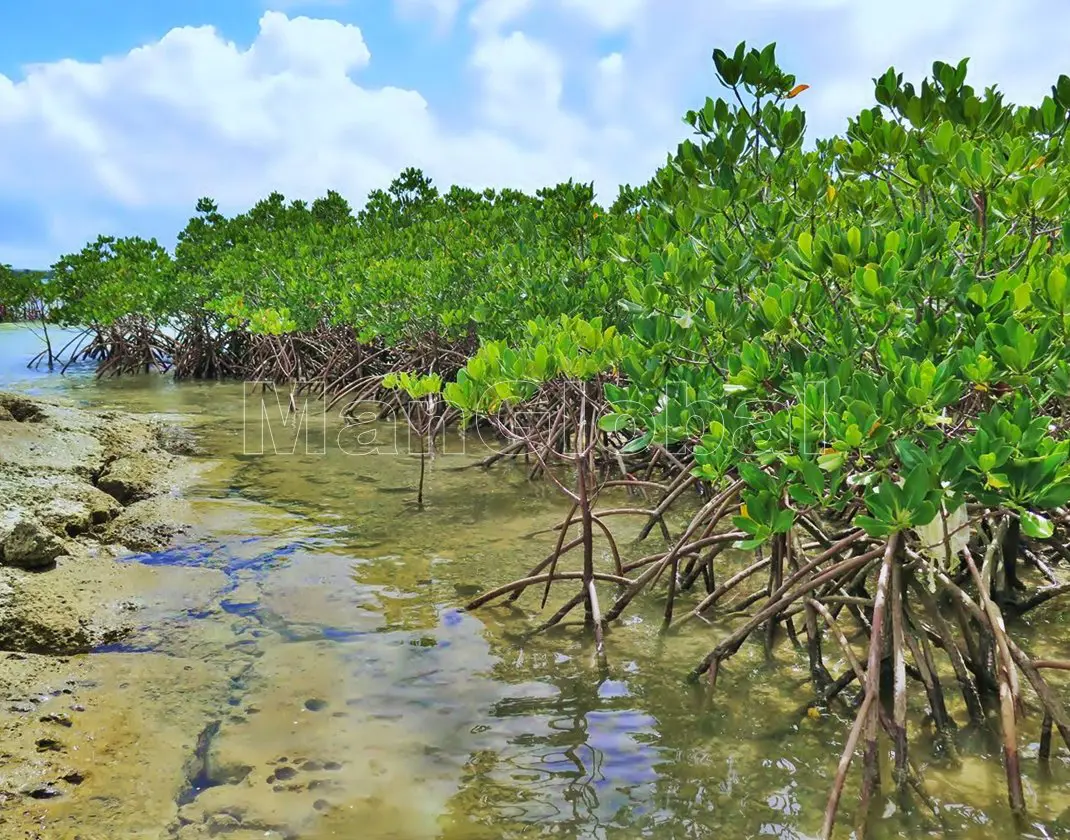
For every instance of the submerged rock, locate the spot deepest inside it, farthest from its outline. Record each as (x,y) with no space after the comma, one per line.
(177,440)
(63,611)
(218,823)
(151,524)
(44,792)
(116,771)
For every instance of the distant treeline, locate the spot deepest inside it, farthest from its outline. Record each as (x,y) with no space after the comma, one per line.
(19,300)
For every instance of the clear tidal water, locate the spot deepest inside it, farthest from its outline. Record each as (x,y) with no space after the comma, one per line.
(401,716)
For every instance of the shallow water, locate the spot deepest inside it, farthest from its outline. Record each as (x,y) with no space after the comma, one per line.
(361,702)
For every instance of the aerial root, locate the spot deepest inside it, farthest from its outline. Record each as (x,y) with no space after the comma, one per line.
(915,616)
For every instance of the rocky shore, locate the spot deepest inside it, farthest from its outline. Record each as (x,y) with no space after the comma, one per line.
(170,664)
(80,491)
(132,705)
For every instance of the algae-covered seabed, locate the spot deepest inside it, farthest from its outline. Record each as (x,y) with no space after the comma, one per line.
(328,686)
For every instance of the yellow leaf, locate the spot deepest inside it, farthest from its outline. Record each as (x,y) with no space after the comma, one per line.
(996,482)
(1038,162)
(743,511)
(795,91)
(813,713)
(830,193)
(980,386)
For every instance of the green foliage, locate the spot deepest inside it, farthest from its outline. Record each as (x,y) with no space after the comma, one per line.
(414,385)
(411,263)
(879,318)
(22,292)
(113,278)
(566,347)
(859,315)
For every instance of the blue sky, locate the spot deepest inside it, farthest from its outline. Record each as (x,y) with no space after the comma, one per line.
(115,117)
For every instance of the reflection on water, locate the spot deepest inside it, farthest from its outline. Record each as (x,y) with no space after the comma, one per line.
(362,702)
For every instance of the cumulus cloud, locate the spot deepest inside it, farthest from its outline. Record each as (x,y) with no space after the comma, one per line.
(128,143)
(608,86)
(522,81)
(489,16)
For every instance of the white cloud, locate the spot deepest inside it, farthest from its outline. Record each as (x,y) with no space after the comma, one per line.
(316,47)
(522,81)
(609,81)
(490,16)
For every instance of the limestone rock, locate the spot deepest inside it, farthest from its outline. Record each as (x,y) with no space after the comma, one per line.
(20,409)
(150,525)
(64,503)
(25,543)
(135,477)
(177,440)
